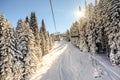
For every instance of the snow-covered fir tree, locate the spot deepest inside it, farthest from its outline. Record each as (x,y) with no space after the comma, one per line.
(67,35)
(49,40)
(98,31)
(20,50)
(113,22)
(42,43)
(35,30)
(27,20)
(34,27)
(26,45)
(45,39)
(74,31)
(8,50)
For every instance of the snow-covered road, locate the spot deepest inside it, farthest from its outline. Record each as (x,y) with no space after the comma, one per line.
(66,62)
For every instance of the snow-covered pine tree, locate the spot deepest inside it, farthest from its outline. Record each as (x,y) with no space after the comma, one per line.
(2,22)
(27,20)
(99,21)
(102,30)
(34,27)
(45,39)
(20,36)
(42,43)
(113,30)
(2,56)
(50,41)
(7,50)
(68,35)
(52,38)
(35,30)
(74,32)
(84,36)
(26,45)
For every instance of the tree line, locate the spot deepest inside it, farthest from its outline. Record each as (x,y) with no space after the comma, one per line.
(99,31)
(21,49)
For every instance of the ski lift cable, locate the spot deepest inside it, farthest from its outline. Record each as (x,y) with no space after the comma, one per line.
(53,15)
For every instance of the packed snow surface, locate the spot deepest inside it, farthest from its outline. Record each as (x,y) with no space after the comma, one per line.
(66,62)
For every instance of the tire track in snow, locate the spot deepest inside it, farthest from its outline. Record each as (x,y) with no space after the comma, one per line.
(60,71)
(107,69)
(48,60)
(60,68)
(70,60)
(66,65)
(73,68)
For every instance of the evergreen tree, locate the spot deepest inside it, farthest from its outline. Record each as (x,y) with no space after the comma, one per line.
(100,30)
(113,31)
(26,44)
(20,50)
(34,27)
(27,20)
(50,41)
(45,39)
(42,43)
(67,35)
(74,32)
(35,30)
(7,50)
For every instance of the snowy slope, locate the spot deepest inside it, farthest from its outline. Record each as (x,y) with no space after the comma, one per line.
(66,62)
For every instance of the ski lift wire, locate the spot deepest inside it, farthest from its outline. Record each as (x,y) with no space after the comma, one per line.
(53,15)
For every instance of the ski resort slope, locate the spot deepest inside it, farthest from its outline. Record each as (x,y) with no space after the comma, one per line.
(66,62)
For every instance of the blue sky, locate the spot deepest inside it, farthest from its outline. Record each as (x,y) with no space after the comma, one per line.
(63,9)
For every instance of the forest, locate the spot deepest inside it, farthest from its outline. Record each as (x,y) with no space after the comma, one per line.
(98,32)
(22,48)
